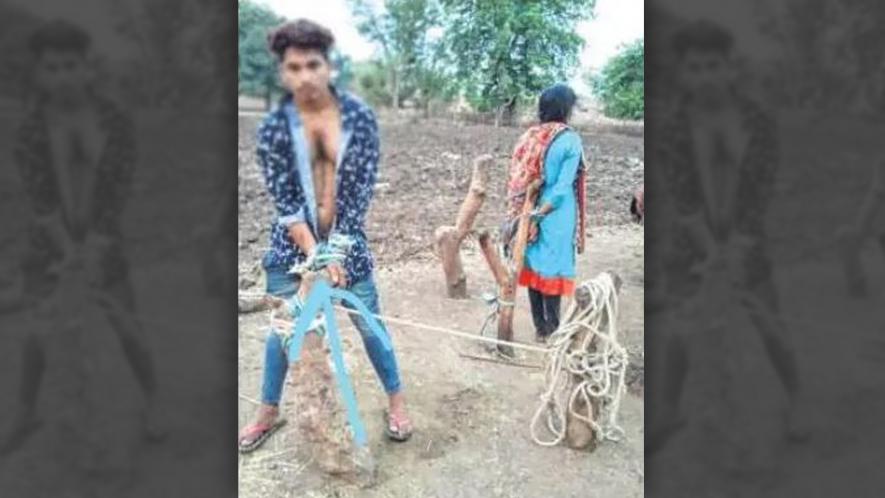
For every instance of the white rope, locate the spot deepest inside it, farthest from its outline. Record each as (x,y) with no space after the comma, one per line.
(600,362)
(409,323)
(456,333)
(602,370)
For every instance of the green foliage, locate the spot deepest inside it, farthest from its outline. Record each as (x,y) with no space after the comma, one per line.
(370,82)
(257,67)
(509,50)
(433,82)
(620,85)
(408,53)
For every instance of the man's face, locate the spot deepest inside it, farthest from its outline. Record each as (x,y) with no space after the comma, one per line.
(706,75)
(64,75)
(306,73)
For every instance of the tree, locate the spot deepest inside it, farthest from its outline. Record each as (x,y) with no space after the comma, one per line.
(370,81)
(620,85)
(343,69)
(506,51)
(257,68)
(433,82)
(401,31)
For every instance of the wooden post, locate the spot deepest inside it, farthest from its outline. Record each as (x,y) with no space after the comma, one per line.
(508,290)
(499,271)
(448,249)
(448,239)
(579,435)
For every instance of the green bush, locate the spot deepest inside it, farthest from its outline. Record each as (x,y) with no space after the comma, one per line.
(620,85)
(370,83)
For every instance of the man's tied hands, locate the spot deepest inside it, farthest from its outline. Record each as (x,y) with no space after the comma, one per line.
(328,256)
(337,275)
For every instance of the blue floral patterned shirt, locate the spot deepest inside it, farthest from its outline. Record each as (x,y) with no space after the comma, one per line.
(284,161)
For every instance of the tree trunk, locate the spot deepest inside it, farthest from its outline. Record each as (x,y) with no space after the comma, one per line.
(448,239)
(394,91)
(499,271)
(476,195)
(579,434)
(448,249)
(508,111)
(522,230)
(319,414)
(508,291)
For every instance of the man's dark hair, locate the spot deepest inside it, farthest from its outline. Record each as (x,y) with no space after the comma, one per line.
(301,34)
(702,35)
(556,103)
(59,36)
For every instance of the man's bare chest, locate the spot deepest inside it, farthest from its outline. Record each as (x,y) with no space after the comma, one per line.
(323,137)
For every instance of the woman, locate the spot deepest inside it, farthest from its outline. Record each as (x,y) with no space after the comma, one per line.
(552,151)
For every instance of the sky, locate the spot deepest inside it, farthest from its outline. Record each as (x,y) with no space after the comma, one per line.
(616,22)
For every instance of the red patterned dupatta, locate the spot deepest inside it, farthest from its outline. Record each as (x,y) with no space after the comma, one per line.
(527,165)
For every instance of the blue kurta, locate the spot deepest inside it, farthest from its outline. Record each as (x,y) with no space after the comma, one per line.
(552,255)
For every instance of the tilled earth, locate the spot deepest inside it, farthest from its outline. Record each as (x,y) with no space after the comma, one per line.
(424,174)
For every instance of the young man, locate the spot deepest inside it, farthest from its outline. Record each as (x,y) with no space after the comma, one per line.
(854,236)
(319,154)
(75,152)
(718,165)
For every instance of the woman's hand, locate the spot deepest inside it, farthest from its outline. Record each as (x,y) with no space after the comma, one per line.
(533,231)
(535,219)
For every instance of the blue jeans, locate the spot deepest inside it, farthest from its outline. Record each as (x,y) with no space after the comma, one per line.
(276,360)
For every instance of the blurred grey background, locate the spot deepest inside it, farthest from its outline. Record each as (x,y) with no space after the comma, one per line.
(170,67)
(818,69)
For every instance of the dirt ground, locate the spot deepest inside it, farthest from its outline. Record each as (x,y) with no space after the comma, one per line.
(424,175)
(472,417)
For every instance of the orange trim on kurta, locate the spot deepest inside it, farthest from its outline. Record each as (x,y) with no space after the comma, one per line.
(558,286)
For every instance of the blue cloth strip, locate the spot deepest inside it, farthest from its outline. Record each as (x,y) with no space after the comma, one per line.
(320,298)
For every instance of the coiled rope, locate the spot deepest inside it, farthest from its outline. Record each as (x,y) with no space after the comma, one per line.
(600,362)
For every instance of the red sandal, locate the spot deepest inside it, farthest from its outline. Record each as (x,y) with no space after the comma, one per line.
(397,429)
(263,431)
